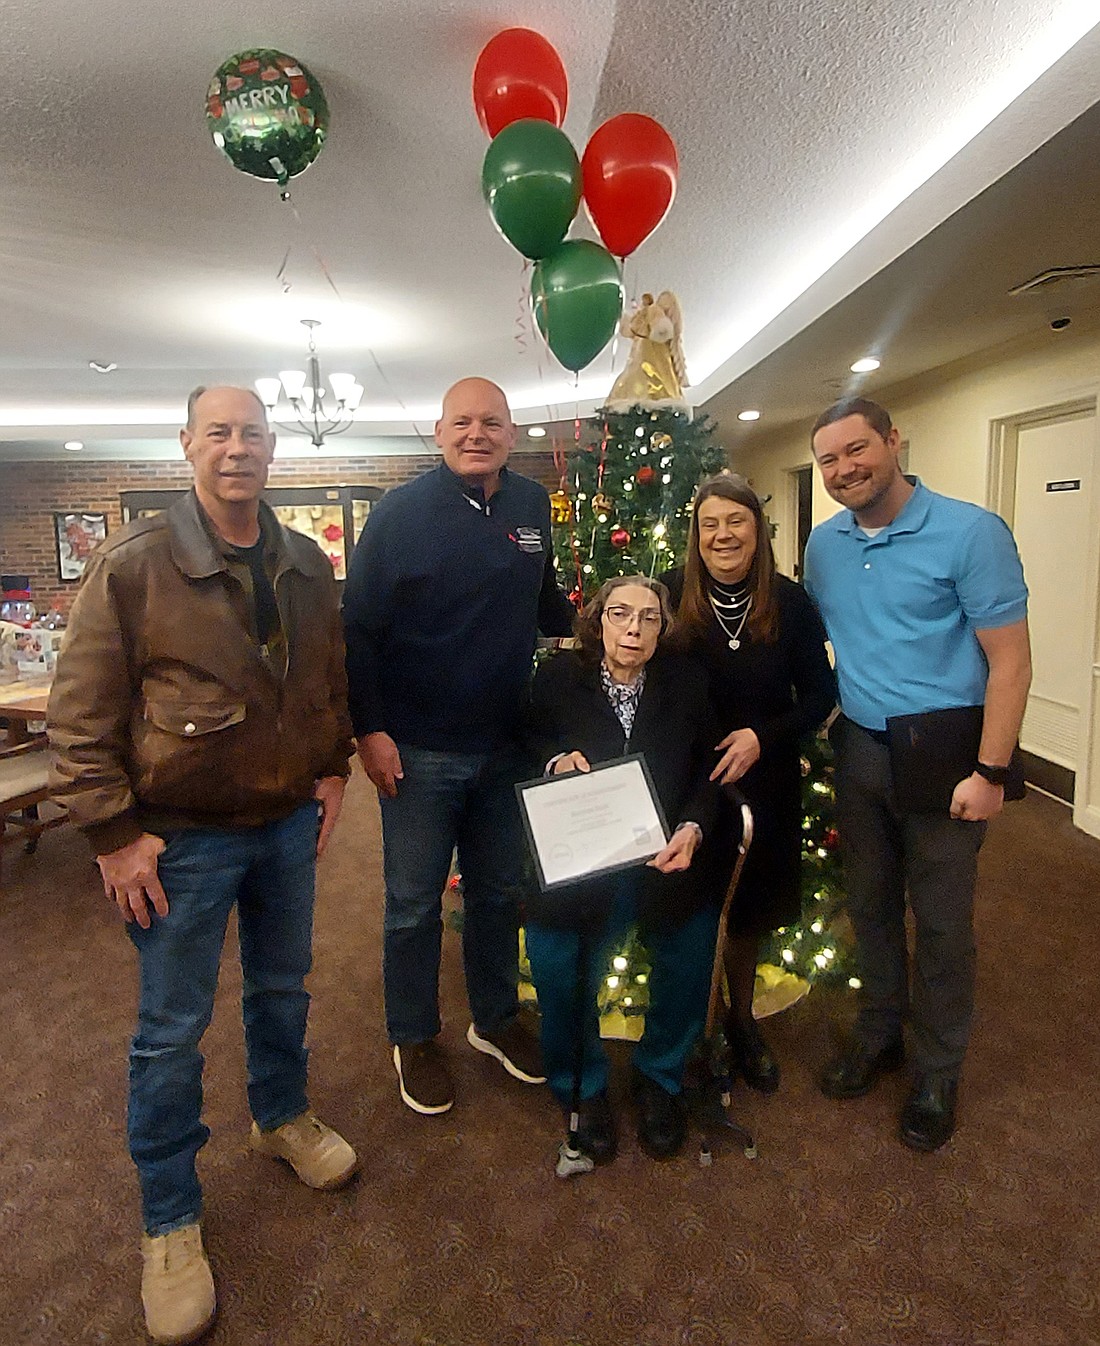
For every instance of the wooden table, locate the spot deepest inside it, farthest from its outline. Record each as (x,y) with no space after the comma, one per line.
(20,702)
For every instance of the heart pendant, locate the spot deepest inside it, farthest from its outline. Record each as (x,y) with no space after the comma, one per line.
(735,644)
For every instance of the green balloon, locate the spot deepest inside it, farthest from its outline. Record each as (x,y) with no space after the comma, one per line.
(531,180)
(267,114)
(577,295)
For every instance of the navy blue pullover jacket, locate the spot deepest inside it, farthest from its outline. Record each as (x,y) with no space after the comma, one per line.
(443,602)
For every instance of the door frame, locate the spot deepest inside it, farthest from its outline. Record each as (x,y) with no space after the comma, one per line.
(1004,442)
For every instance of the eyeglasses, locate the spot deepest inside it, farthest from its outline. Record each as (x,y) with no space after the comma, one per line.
(618,615)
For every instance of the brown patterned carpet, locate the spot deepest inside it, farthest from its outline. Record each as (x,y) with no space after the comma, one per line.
(457,1232)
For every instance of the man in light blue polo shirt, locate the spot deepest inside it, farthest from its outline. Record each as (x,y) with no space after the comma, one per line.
(924,601)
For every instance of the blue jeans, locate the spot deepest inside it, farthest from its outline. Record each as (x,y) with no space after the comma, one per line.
(679,987)
(268,872)
(446,801)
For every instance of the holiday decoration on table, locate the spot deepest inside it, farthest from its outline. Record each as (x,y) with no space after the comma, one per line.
(655,375)
(267,114)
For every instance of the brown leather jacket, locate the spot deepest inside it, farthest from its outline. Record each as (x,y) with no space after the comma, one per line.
(164,712)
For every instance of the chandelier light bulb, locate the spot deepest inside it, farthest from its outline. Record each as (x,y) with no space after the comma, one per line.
(293,381)
(268,390)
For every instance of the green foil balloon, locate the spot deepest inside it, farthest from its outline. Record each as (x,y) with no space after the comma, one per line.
(267,114)
(531,180)
(577,295)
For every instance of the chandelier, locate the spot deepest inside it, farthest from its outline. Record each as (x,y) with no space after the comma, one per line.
(317,415)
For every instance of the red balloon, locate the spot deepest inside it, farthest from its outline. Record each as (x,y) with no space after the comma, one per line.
(519,74)
(630,170)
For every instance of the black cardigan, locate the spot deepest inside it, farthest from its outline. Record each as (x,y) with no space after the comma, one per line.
(676,732)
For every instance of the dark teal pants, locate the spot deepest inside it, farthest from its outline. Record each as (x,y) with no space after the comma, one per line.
(679,986)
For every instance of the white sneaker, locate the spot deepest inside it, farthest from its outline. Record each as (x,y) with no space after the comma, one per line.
(177,1289)
(319,1156)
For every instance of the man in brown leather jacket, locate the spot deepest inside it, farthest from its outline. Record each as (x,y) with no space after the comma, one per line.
(200,723)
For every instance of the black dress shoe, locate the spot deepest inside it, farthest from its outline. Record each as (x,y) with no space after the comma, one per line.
(751,1056)
(857,1069)
(928,1118)
(661,1125)
(596,1131)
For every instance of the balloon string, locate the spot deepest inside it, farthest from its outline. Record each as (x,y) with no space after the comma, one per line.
(519,336)
(542,344)
(429,448)
(283,275)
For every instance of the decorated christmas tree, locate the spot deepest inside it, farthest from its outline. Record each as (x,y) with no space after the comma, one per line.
(623,504)
(817,949)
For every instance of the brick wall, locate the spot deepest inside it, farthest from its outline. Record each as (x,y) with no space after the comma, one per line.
(31,492)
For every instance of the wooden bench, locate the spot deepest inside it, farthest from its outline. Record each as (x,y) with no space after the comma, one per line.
(24,787)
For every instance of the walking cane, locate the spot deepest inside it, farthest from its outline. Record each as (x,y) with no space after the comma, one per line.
(716,1088)
(571,1158)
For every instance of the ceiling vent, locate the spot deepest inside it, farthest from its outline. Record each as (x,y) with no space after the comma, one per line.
(1057,275)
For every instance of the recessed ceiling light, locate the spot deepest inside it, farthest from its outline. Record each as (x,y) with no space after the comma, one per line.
(536,432)
(74,445)
(102,366)
(749,415)
(865,366)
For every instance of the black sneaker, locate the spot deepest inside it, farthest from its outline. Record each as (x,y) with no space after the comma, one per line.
(597,1134)
(751,1056)
(516,1050)
(423,1078)
(856,1070)
(928,1118)
(661,1124)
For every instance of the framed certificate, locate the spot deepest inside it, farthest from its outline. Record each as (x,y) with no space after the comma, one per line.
(583,824)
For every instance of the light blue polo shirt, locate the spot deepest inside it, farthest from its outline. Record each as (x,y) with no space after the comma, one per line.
(902,608)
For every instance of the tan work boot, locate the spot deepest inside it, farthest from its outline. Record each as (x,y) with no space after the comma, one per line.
(313,1150)
(177,1289)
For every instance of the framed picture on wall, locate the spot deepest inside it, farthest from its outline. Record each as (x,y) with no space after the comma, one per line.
(76,536)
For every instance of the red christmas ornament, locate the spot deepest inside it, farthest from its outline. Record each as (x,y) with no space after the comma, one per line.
(644,475)
(620,539)
(831,839)
(577,598)
(333,533)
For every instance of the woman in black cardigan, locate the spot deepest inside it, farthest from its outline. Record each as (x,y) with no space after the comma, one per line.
(620,692)
(763,644)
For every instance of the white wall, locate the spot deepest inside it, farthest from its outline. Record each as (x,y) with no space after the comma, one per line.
(946,419)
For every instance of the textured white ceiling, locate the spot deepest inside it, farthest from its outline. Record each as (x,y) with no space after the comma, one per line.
(125,236)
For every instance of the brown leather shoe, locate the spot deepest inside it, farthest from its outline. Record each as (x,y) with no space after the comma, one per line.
(517,1050)
(423,1078)
(177,1289)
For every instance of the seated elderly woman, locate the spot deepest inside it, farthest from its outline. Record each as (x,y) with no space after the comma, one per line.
(623,691)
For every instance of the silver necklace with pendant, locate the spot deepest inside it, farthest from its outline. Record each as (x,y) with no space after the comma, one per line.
(734,637)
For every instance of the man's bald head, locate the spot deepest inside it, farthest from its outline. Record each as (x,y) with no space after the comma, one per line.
(484,390)
(475,432)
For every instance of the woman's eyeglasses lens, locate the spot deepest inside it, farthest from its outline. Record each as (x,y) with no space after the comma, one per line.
(620,616)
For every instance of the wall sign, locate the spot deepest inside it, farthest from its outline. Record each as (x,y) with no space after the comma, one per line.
(1072,485)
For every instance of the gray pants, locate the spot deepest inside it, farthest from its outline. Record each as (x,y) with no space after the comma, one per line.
(933,858)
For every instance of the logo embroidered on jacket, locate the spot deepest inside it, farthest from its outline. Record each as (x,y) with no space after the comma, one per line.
(529,539)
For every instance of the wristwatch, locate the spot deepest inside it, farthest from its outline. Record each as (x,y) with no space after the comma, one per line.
(995,775)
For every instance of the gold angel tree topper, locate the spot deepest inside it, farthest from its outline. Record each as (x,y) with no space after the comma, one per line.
(655,375)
